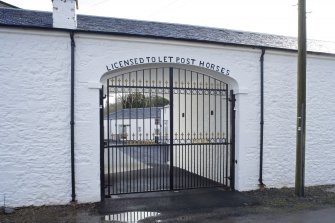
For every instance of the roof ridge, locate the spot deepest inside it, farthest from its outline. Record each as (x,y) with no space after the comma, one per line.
(173,31)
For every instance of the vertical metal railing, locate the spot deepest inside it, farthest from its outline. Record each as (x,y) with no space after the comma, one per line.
(171,127)
(108,141)
(232,141)
(102,145)
(200,149)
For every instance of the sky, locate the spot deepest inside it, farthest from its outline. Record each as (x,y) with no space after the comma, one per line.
(264,16)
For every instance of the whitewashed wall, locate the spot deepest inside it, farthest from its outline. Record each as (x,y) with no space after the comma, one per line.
(35,111)
(35,166)
(320,141)
(280,121)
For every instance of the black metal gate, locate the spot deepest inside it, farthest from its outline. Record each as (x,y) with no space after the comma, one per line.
(166,129)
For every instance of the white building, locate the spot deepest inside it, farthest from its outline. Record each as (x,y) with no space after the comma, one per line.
(137,124)
(53,66)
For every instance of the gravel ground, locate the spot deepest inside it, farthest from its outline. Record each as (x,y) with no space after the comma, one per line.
(270,202)
(58,213)
(284,199)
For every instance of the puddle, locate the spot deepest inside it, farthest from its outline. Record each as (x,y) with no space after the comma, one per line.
(132,216)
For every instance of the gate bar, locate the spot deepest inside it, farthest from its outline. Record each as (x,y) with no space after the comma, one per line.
(108,147)
(171,127)
(102,148)
(232,141)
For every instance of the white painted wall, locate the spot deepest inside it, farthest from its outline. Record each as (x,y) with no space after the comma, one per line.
(280,112)
(35,111)
(35,167)
(320,139)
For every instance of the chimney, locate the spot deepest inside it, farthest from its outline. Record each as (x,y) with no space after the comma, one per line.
(64,14)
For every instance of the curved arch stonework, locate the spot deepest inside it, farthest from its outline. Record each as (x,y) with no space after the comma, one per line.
(222,77)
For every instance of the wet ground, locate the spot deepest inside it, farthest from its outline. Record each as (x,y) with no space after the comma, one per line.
(152,179)
(200,205)
(326,215)
(132,169)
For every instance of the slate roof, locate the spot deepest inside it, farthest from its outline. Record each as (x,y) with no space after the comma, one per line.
(39,19)
(136,113)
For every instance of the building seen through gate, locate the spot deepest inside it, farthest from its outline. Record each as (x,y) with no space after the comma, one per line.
(131,122)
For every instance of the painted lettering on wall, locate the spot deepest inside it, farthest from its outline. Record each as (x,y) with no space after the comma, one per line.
(167,59)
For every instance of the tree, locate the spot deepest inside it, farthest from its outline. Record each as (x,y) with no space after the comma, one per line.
(136,100)
(157,101)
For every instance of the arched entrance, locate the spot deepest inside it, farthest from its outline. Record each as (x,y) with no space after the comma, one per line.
(166,128)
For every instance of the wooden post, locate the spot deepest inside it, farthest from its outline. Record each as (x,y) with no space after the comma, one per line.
(301,101)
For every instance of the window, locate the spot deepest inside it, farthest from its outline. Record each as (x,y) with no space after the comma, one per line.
(123,133)
(157,121)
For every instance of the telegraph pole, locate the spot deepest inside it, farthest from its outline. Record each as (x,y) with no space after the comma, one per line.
(301,102)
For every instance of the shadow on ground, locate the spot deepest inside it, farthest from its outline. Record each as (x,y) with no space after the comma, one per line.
(193,200)
(199,205)
(177,202)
